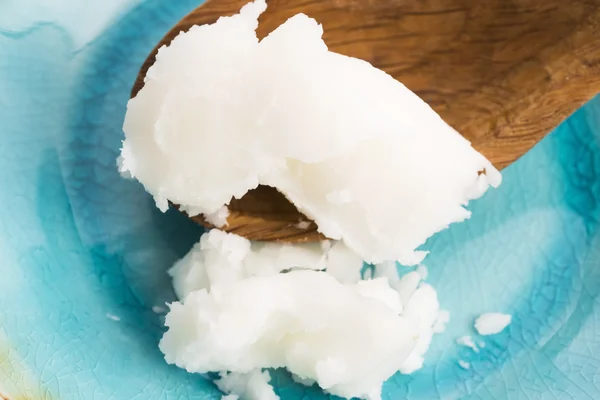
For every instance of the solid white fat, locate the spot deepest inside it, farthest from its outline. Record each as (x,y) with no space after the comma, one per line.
(247,306)
(220,258)
(253,385)
(343,264)
(352,148)
(379,289)
(304,320)
(422,311)
(492,323)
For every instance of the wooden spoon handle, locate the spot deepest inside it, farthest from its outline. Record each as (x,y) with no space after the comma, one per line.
(502,72)
(510,114)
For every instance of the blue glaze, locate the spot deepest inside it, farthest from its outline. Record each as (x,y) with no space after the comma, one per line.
(84,253)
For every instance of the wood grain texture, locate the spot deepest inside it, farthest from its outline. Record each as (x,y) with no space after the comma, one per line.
(265,214)
(502,72)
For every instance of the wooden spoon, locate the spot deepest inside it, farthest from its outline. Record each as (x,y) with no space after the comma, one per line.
(502,72)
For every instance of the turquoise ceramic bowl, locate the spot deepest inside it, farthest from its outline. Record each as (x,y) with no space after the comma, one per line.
(83,253)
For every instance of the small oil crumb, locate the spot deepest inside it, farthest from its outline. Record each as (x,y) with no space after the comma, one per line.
(464,364)
(303,224)
(492,323)
(113,317)
(468,341)
(442,319)
(159,309)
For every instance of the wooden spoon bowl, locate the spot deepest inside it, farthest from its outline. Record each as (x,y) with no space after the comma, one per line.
(504,73)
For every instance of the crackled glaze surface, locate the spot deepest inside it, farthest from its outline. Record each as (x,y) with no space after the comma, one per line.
(83,253)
